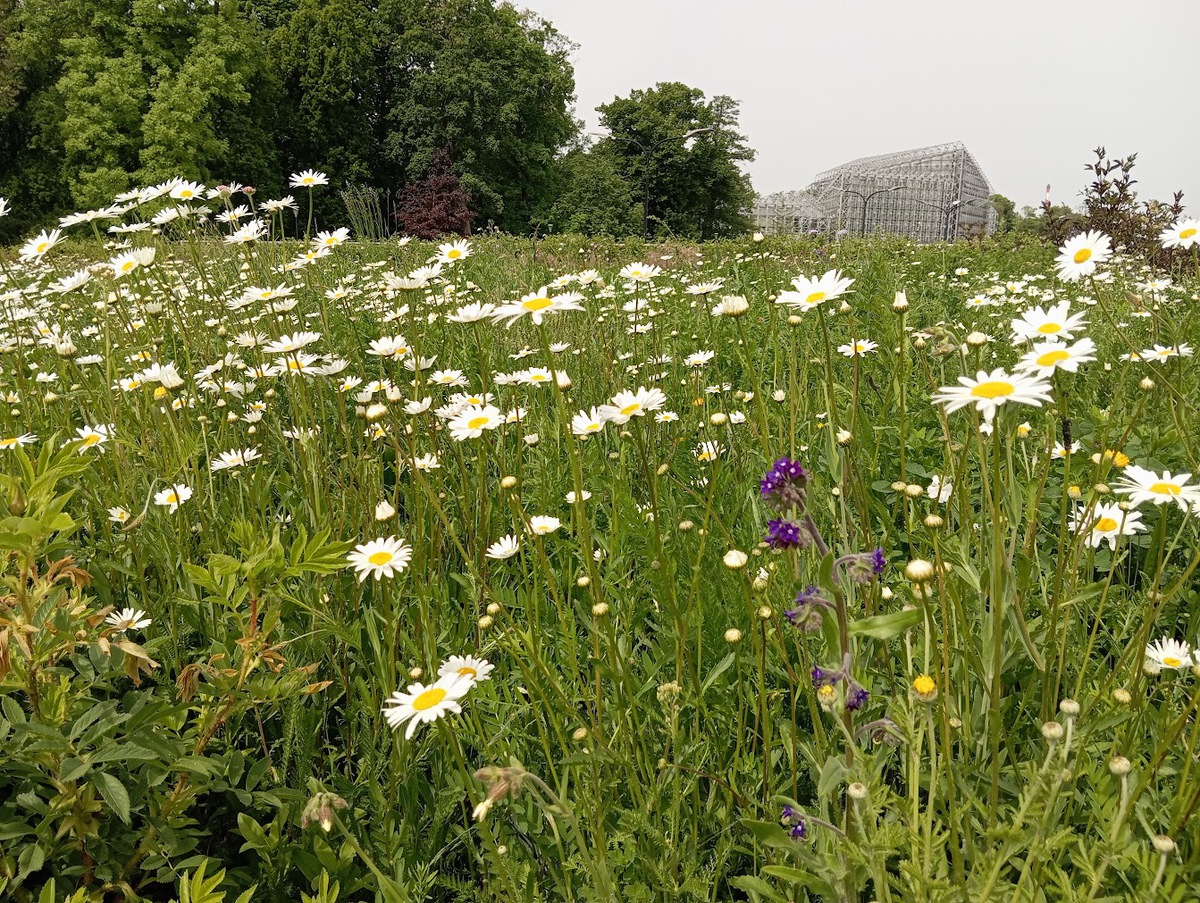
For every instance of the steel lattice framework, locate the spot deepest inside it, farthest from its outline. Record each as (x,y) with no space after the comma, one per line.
(934,193)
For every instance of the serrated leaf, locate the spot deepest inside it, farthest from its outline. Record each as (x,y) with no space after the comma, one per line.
(114,793)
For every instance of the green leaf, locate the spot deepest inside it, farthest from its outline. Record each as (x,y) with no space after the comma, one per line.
(722,666)
(769,834)
(884,627)
(114,793)
(756,887)
(800,878)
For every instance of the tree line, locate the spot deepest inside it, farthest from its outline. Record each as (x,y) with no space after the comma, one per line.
(461,106)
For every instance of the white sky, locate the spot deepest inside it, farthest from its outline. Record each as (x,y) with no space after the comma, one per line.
(1031,86)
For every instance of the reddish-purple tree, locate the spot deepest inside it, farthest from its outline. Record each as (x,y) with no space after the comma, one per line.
(436,204)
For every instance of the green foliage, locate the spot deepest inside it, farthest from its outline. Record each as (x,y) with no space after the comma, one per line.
(99,96)
(696,190)
(593,197)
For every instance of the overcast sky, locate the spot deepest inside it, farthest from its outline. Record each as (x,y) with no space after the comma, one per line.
(1031,86)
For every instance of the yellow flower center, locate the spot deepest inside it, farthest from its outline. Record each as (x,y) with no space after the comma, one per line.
(172,499)
(536,304)
(127,266)
(1050,358)
(453,254)
(1161,488)
(1106,525)
(42,246)
(161,392)
(7,443)
(993,389)
(428,699)
(467,672)
(91,439)
(295,364)
(1188,233)
(477,423)
(1171,661)
(1082,255)
(1049,328)
(815,298)
(630,409)
(380,558)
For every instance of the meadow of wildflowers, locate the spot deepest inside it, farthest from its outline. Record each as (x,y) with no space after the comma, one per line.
(577,570)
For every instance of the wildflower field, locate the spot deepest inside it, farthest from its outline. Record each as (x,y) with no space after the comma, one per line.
(578,570)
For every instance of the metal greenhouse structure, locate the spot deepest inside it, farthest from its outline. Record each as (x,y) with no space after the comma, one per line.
(935,193)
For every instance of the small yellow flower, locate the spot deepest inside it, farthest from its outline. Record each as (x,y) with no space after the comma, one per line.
(924,688)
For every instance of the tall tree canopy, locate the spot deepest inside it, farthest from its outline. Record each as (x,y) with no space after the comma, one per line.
(696,188)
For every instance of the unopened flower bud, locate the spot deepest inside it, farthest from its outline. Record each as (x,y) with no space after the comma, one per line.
(1052,731)
(1119,766)
(919,570)
(733,635)
(508,482)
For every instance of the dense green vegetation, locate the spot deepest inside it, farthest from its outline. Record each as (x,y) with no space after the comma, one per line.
(101,96)
(254,490)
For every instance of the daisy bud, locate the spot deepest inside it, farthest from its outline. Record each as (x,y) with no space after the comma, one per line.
(826,696)
(795,320)
(1121,696)
(1052,731)
(919,570)
(663,468)
(1024,429)
(1074,493)
(924,688)
(599,610)
(1147,384)
(493,608)
(886,594)
(376,412)
(532,439)
(933,521)
(1119,766)
(384,510)
(718,419)
(920,342)
(508,482)
(231,417)
(580,734)
(685,526)
(844,307)
(757,237)
(857,791)
(976,339)
(913,491)
(485,622)
(765,612)
(1100,488)
(1163,844)
(270,393)
(583,580)
(900,305)
(1069,708)
(779,395)
(899,486)
(252,429)
(733,636)
(955,723)
(844,437)
(836,492)
(735,559)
